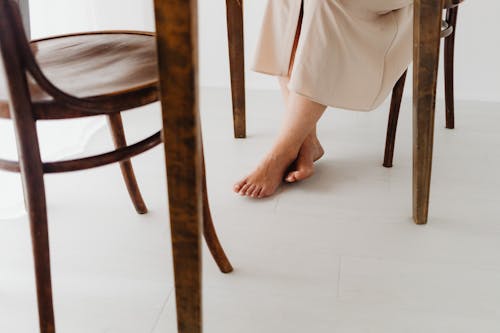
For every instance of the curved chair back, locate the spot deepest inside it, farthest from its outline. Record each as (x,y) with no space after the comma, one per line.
(19,60)
(12,42)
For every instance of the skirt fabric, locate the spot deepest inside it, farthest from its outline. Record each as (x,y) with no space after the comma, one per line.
(349,55)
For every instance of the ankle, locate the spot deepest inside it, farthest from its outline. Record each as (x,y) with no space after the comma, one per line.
(312,139)
(285,151)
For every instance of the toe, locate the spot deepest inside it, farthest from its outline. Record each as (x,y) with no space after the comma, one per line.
(256,191)
(303,174)
(291,177)
(264,193)
(239,185)
(250,190)
(244,189)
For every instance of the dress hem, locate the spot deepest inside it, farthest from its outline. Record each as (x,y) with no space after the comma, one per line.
(312,98)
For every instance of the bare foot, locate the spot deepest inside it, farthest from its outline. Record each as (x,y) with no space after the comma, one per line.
(267,177)
(303,167)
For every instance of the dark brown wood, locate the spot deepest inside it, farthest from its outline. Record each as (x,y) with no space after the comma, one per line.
(237,64)
(118,155)
(116,70)
(426,38)
(34,194)
(397,95)
(177,41)
(31,164)
(448,28)
(102,93)
(449,64)
(452,3)
(114,156)
(120,141)
(25,15)
(209,230)
(10,166)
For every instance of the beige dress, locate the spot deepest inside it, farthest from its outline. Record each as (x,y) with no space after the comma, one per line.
(350,52)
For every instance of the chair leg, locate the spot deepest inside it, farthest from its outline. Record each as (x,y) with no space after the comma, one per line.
(449,60)
(209,231)
(34,194)
(237,64)
(41,252)
(426,44)
(118,133)
(397,95)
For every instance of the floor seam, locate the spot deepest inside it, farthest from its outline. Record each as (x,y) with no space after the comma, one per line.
(157,320)
(339,276)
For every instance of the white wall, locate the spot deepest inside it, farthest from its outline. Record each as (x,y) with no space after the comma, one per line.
(477,52)
(477,65)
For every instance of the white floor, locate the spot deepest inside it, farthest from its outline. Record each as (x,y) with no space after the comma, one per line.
(337,253)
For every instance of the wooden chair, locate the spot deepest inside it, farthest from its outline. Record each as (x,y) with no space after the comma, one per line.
(448,33)
(234,12)
(70,76)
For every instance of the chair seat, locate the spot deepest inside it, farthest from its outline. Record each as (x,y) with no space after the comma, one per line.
(115,67)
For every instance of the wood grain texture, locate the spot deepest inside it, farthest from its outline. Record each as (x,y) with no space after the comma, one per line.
(426,40)
(234,9)
(177,42)
(390,141)
(117,155)
(116,71)
(448,29)
(31,164)
(83,58)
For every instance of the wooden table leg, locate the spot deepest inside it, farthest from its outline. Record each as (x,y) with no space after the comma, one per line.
(176,26)
(426,42)
(237,64)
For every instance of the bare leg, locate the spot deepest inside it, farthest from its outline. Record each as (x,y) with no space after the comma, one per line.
(300,121)
(303,167)
(296,148)
(310,151)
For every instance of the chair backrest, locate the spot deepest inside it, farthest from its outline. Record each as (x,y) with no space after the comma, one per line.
(19,60)
(13,47)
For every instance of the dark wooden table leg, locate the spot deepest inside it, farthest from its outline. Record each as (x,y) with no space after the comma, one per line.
(237,64)
(426,42)
(176,27)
